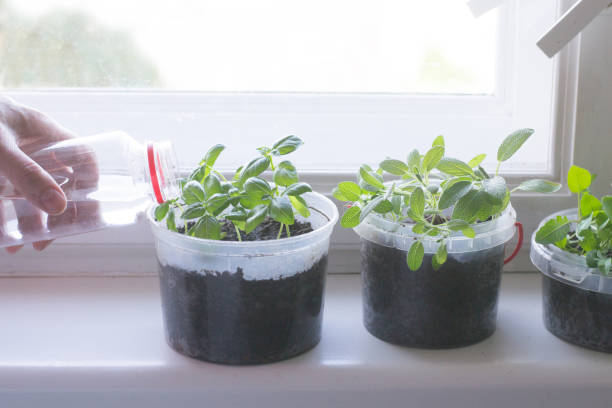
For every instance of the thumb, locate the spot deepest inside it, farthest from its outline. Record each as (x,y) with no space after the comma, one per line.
(34,184)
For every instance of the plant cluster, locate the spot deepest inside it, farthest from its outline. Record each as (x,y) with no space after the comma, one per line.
(589,235)
(208,199)
(438,195)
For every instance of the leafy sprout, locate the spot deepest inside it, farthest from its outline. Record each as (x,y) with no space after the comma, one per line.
(436,194)
(208,199)
(590,234)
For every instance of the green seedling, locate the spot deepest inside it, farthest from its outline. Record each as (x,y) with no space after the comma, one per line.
(208,199)
(436,194)
(590,234)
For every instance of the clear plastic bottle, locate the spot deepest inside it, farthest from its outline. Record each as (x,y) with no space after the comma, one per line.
(108,179)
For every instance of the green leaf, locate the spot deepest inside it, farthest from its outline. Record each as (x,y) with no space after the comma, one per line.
(441,254)
(415,256)
(161,211)
(255,167)
(588,240)
(217,203)
(452,194)
(495,188)
(454,167)
(300,206)
(588,204)
(538,185)
(457,225)
(468,232)
(281,210)
(475,162)
(193,192)
(237,214)
(384,207)
(351,218)
(212,185)
(285,174)
(432,158)
(207,227)
(419,228)
(578,179)
(438,141)
(212,154)
(607,205)
(257,187)
(554,230)
(417,202)
(297,189)
(286,145)
(171,222)
(199,173)
(396,167)
(370,206)
(347,191)
(467,207)
(414,159)
(256,216)
(512,143)
(368,176)
(195,211)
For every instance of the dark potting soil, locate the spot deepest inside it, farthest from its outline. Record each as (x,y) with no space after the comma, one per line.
(452,307)
(576,315)
(222,317)
(265,231)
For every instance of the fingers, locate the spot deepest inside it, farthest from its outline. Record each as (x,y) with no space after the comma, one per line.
(35,184)
(29,222)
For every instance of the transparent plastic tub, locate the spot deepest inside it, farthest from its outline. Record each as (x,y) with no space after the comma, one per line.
(245,302)
(451,307)
(577,299)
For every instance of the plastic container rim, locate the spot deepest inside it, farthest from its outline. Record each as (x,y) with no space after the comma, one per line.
(192,243)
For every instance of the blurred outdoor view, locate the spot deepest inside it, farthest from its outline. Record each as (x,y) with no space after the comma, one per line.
(395,46)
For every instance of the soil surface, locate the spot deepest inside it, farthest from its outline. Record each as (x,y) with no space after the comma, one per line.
(265,231)
(221,317)
(578,316)
(452,307)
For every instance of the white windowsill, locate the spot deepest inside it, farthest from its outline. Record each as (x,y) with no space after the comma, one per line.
(99,342)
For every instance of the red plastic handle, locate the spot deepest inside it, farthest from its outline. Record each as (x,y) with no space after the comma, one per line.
(153,173)
(519,244)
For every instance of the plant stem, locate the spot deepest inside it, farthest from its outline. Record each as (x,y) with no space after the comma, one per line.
(288,232)
(280,231)
(579,212)
(237,232)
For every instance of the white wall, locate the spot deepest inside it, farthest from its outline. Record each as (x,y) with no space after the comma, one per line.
(593,148)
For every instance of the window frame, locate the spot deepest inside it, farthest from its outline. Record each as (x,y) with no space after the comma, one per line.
(91,252)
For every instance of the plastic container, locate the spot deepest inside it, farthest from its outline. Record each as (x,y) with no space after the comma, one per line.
(108,179)
(577,300)
(451,307)
(245,302)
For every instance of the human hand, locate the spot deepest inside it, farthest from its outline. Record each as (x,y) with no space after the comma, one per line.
(23,132)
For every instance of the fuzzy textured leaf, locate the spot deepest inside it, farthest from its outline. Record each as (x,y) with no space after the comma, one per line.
(554,230)
(351,218)
(539,186)
(433,157)
(512,143)
(414,258)
(453,193)
(454,167)
(396,167)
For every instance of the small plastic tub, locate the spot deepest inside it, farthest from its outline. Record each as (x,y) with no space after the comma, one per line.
(245,302)
(577,300)
(451,307)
